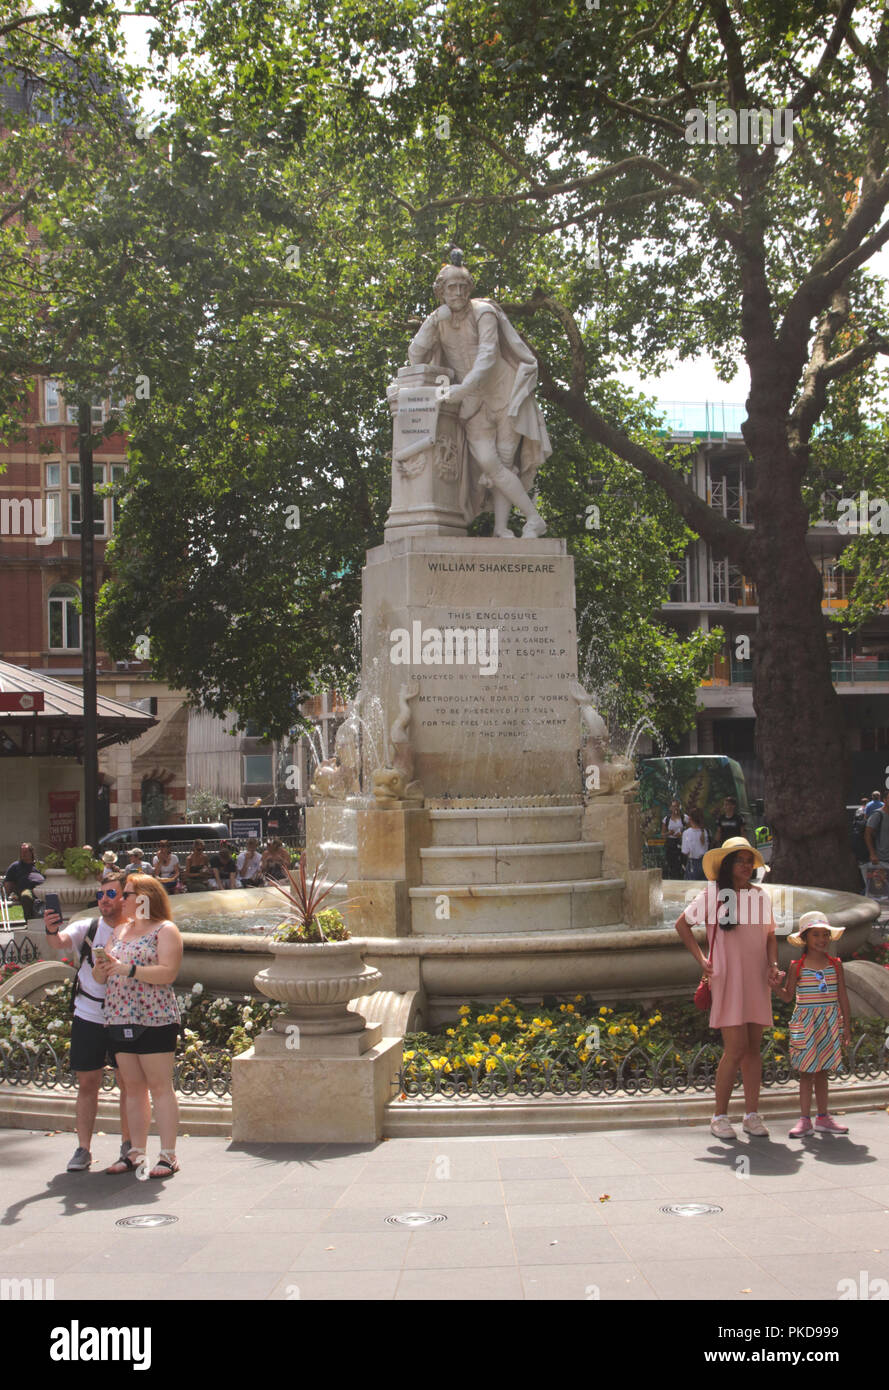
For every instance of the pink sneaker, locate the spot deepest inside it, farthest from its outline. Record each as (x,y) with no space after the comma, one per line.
(826,1124)
(802,1126)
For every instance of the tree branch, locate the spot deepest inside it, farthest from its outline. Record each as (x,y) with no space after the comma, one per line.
(813,395)
(855,357)
(803,95)
(723,535)
(543,192)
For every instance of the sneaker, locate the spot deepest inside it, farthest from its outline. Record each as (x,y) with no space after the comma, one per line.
(722,1129)
(754,1125)
(802,1126)
(826,1124)
(81,1160)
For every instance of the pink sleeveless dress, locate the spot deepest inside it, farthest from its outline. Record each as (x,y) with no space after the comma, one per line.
(739,985)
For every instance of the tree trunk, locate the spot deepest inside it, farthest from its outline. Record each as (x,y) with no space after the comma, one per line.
(801,741)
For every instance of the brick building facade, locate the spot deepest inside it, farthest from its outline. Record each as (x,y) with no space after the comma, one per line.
(40,626)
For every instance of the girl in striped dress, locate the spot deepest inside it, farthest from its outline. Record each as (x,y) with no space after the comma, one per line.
(820,1024)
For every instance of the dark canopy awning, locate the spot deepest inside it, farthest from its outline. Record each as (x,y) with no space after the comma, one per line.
(56,731)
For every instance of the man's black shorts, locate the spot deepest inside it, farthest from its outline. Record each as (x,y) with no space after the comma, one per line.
(91,1047)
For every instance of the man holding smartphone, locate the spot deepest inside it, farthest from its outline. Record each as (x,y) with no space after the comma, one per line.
(90,1048)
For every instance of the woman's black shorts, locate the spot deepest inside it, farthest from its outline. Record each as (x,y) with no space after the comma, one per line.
(151,1040)
(91,1046)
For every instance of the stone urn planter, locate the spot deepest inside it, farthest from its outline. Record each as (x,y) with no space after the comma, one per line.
(316,983)
(74,894)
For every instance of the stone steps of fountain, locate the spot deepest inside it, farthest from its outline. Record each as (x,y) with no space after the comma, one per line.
(492,908)
(512,863)
(507,825)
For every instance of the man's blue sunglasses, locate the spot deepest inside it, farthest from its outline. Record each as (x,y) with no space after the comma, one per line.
(107,893)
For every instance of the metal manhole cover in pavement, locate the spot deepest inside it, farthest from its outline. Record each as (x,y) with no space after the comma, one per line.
(691,1209)
(415,1218)
(152,1220)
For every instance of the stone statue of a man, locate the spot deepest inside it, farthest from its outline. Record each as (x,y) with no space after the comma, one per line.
(495,375)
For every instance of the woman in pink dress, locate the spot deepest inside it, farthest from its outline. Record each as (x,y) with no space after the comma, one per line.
(742,966)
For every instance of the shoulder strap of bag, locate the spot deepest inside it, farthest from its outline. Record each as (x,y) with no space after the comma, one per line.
(86,949)
(87,943)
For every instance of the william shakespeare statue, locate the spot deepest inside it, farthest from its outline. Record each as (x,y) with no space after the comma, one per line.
(495,376)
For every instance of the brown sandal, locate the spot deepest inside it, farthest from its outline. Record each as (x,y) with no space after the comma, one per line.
(125,1163)
(164,1162)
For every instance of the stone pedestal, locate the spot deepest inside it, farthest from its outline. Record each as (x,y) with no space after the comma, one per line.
(426,456)
(614,821)
(390,838)
(295,1096)
(494,715)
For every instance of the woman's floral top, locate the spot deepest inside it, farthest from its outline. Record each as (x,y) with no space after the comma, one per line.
(136,1001)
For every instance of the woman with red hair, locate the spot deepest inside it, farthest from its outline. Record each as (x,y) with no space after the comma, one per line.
(142,1017)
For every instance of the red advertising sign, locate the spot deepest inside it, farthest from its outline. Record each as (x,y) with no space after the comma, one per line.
(22,702)
(63,819)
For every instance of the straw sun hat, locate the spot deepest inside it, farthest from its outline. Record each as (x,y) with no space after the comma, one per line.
(714,857)
(109,857)
(813,919)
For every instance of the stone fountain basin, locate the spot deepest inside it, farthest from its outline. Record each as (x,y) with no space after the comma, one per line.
(612,963)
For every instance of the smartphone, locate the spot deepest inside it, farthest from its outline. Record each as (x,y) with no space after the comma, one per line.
(100,953)
(52,903)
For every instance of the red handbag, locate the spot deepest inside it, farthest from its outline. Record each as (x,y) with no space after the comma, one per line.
(703,994)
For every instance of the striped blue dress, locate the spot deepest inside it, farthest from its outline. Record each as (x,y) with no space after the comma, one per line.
(816,1031)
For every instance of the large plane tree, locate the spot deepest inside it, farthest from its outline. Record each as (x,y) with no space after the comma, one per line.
(634,182)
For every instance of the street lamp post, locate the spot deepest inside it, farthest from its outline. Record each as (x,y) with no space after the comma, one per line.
(88,606)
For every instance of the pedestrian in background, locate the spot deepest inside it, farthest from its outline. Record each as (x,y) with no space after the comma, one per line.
(197,869)
(136,864)
(695,843)
(274,861)
(250,865)
(673,825)
(224,866)
(23,877)
(729,824)
(166,866)
(875,804)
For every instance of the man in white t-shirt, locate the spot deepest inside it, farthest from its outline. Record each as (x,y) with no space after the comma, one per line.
(250,866)
(90,1048)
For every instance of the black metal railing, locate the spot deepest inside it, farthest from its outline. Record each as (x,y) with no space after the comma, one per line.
(22,952)
(636,1072)
(43,1067)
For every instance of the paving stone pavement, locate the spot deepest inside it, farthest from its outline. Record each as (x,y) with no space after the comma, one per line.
(575,1216)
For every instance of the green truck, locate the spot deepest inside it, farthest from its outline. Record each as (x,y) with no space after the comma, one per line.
(699,781)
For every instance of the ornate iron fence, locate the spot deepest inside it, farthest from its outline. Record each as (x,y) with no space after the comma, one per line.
(44,1068)
(425,1077)
(22,952)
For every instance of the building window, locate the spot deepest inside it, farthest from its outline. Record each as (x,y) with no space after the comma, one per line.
(51,402)
(64,618)
(74,513)
(53,495)
(155,809)
(257,768)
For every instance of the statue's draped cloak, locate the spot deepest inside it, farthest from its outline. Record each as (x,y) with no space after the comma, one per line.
(523,410)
